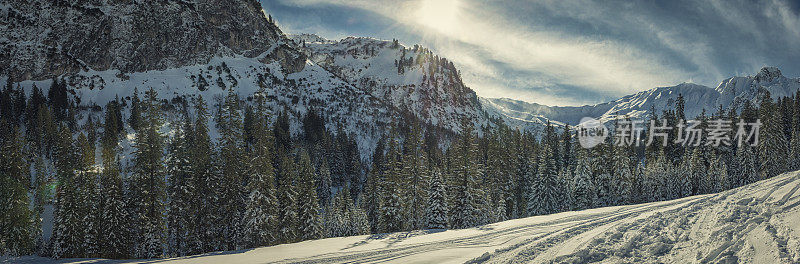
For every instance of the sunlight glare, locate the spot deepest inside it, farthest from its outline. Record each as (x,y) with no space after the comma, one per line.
(441,15)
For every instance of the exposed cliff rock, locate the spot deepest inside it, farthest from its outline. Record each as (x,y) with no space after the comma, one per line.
(40,39)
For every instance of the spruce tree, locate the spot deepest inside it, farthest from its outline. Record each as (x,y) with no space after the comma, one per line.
(148,181)
(683,177)
(114,218)
(307,202)
(746,171)
(415,175)
(41,196)
(232,169)
(113,214)
(370,199)
(773,148)
(794,144)
(287,196)
(390,211)
(87,199)
(698,171)
(544,197)
(466,172)
(582,186)
(261,209)
(436,211)
(323,187)
(182,193)
(622,181)
(207,182)
(359,219)
(718,175)
(654,175)
(16,218)
(67,230)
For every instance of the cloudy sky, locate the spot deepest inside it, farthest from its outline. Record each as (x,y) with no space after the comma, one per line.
(570,52)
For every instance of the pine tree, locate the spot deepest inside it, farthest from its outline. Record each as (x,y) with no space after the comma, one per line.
(182,194)
(371,199)
(622,182)
(148,181)
(287,196)
(465,172)
(261,211)
(773,149)
(683,177)
(87,198)
(16,218)
(746,171)
(390,211)
(207,183)
(544,196)
(113,214)
(307,202)
(698,170)
(718,175)
(67,230)
(415,173)
(436,211)
(582,186)
(232,169)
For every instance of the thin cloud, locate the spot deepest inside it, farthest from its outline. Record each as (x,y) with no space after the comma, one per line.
(578,52)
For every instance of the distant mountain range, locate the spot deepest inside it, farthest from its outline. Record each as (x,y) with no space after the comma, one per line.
(364,85)
(731,92)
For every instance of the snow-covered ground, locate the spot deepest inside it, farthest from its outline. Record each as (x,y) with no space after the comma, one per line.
(758,223)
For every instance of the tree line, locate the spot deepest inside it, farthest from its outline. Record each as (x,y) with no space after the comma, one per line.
(159,178)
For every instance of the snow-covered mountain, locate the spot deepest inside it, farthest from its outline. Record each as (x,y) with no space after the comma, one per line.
(105,49)
(412,80)
(731,92)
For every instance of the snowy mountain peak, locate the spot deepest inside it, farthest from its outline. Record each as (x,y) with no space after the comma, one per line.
(731,93)
(308,38)
(768,74)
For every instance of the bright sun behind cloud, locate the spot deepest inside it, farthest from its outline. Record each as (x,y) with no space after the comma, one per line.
(441,15)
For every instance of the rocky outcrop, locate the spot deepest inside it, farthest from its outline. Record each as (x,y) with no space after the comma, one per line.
(40,39)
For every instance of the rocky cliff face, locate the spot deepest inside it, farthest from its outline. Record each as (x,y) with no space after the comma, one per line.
(41,39)
(411,79)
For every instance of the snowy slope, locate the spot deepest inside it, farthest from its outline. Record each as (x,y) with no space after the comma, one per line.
(757,223)
(731,92)
(313,87)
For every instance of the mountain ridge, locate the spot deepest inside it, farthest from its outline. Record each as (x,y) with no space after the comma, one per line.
(732,92)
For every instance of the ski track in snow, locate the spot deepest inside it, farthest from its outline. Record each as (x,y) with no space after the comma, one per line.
(757,223)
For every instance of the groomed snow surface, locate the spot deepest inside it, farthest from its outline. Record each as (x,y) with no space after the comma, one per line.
(757,223)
